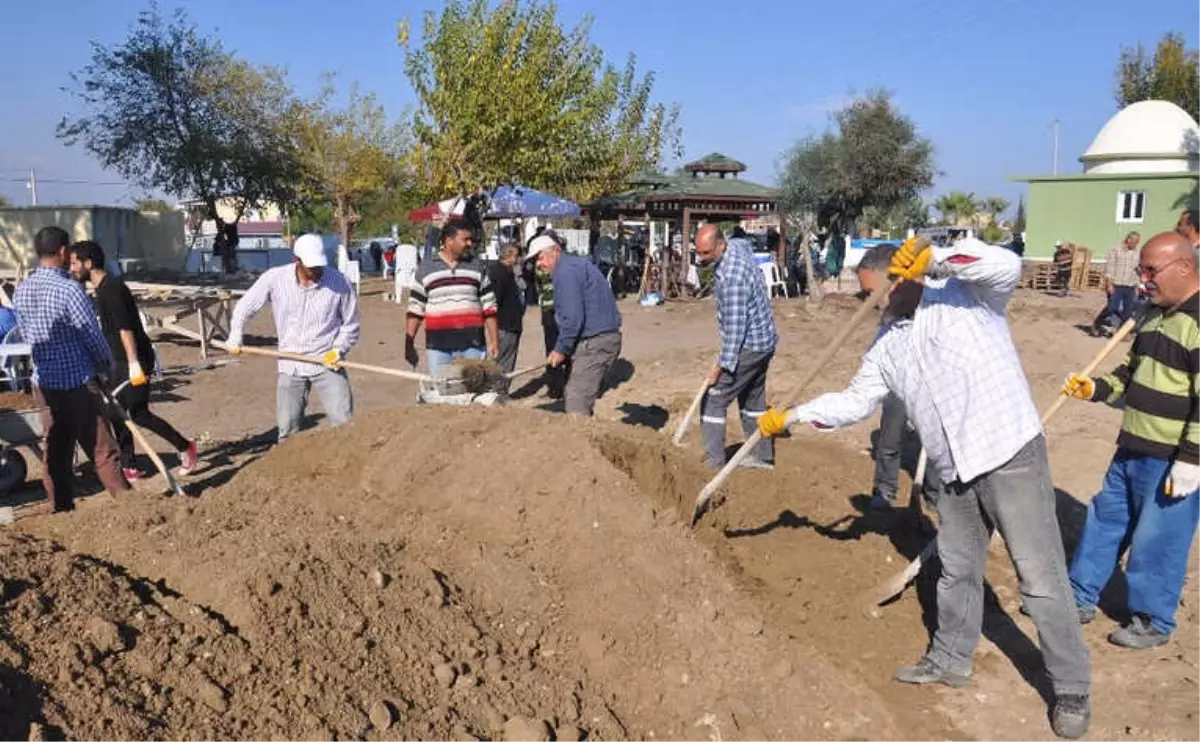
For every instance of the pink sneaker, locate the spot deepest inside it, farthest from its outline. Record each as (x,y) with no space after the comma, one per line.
(190,458)
(132,474)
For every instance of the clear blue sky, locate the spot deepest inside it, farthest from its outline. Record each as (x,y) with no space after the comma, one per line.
(983,79)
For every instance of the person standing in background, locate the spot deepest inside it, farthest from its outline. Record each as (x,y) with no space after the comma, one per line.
(510,312)
(1120,281)
(70,359)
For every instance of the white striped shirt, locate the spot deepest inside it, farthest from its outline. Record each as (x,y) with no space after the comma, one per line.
(311,320)
(954,366)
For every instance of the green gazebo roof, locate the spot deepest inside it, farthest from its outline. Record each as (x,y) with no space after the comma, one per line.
(715,162)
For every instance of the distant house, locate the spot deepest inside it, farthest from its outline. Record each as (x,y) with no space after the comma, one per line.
(1138,175)
(148,239)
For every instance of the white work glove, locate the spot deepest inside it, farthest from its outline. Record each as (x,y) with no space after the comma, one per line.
(137,377)
(1183,480)
(233,346)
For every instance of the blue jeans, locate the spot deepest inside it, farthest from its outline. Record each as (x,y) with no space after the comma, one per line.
(1132,512)
(1120,304)
(438,359)
(333,387)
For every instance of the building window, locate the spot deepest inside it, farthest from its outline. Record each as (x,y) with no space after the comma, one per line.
(1131,206)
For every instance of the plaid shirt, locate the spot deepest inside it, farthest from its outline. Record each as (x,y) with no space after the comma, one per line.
(954,366)
(57,319)
(743,308)
(1121,266)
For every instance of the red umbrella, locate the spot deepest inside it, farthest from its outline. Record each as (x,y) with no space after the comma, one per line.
(426,213)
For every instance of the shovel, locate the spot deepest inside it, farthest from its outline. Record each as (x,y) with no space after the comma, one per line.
(867,309)
(111,401)
(895,585)
(692,409)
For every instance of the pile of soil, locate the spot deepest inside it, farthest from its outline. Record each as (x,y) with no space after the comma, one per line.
(457,573)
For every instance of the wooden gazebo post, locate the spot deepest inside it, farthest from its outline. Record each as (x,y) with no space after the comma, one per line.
(684,243)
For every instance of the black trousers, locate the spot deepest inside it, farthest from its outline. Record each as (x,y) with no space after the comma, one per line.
(136,401)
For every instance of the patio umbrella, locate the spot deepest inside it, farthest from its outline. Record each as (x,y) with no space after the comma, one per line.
(510,201)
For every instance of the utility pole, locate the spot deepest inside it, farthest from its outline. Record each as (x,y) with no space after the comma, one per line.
(32,185)
(1056,146)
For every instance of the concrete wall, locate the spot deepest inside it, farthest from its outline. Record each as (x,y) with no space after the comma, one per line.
(123,233)
(1083,210)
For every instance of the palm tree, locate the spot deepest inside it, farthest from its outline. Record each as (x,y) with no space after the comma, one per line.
(957,207)
(994,206)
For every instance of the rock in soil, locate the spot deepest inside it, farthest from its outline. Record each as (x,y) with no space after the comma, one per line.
(524,729)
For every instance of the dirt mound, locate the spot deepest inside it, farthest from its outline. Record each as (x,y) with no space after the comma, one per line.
(537,572)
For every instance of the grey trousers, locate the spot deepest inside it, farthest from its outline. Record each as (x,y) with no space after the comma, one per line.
(748,385)
(333,387)
(590,363)
(893,424)
(510,342)
(1018,498)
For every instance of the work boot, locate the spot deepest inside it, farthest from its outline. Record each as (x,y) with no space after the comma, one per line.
(1139,634)
(881,503)
(926,671)
(1071,716)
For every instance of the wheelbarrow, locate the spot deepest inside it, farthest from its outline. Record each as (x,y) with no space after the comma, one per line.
(18,428)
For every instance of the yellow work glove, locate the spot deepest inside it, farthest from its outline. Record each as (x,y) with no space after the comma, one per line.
(333,359)
(911,260)
(234,349)
(1079,387)
(137,377)
(773,422)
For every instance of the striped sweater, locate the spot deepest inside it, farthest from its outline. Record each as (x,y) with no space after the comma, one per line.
(1159,383)
(453,302)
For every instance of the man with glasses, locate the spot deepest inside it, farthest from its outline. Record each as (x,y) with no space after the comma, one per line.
(1149,499)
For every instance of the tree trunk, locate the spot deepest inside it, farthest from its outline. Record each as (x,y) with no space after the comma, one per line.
(814,284)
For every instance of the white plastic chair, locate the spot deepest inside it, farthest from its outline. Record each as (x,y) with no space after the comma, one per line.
(15,371)
(772,278)
(353,275)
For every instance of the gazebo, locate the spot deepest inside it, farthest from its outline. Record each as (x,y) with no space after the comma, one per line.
(709,189)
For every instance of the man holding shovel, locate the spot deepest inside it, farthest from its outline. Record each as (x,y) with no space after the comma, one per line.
(132,355)
(589,324)
(961,381)
(1149,499)
(316,313)
(748,339)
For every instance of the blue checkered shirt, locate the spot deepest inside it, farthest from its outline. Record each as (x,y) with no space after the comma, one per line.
(743,306)
(57,320)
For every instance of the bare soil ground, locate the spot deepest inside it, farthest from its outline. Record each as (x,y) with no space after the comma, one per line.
(507,573)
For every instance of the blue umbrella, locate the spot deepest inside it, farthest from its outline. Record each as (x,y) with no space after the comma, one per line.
(509,201)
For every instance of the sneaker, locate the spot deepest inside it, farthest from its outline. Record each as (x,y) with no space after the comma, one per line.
(189,459)
(1139,634)
(1087,613)
(752,463)
(926,671)
(132,473)
(1071,716)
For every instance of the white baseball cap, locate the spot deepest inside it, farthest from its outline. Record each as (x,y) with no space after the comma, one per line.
(540,243)
(310,249)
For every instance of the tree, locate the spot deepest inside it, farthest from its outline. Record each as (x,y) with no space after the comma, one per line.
(506,94)
(994,207)
(1019,221)
(5,202)
(171,111)
(348,154)
(1171,74)
(910,214)
(152,204)
(957,207)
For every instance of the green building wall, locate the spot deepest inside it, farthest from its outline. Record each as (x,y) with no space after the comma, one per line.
(1083,209)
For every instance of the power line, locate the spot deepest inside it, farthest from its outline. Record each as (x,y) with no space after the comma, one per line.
(67,181)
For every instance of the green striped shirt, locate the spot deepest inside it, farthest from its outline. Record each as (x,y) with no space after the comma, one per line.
(1159,383)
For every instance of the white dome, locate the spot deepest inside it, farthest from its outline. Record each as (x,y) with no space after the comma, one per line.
(1150,136)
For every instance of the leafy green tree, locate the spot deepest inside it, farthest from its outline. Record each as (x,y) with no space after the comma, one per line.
(994,207)
(5,202)
(873,158)
(349,154)
(505,93)
(1170,74)
(1019,221)
(170,110)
